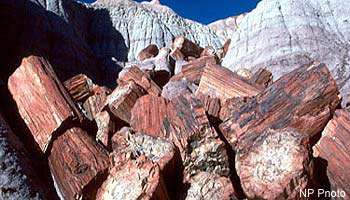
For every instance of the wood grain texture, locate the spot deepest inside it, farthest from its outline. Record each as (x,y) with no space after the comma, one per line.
(76,161)
(79,87)
(41,99)
(303,99)
(97,102)
(334,146)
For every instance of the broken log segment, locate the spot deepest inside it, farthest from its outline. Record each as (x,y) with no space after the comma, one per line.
(222,83)
(149,52)
(207,186)
(105,128)
(18,179)
(134,179)
(273,164)
(97,102)
(187,47)
(142,79)
(304,99)
(212,105)
(77,163)
(334,146)
(148,114)
(193,71)
(176,88)
(42,100)
(79,87)
(123,99)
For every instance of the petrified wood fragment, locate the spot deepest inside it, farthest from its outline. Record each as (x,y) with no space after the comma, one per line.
(77,163)
(177,88)
(212,105)
(262,77)
(193,71)
(207,186)
(142,79)
(134,179)
(233,105)
(303,99)
(187,47)
(95,103)
(222,83)
(79,87)
(41,99)
(274,164)
(148,114)
(105,128)
(334,146)
(18,179)
(123,98)
(149,52)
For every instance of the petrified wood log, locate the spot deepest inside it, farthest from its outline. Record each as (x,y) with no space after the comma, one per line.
(222,83)
(148,114)
(95,103)
(123,98)
(262,77)
(207,186)
(212,105)
(79,87)
(193,71)
(274,164)
(233,105)
(105,127)
(140,78)
(77,163)
(334,146)
(176,88)
(149,52)
(41,99)
(134,179)
(18,179)
(303,99)
(187,47)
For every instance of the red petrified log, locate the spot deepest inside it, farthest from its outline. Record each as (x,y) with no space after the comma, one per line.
(123,98)
(105,127)
(134,179)
(148,114)
(140,78)
(208,186)
(334,146)
(187,47)
(149,52)
(41,99)
(212,105)
(303,99)
(222,83)
(76,161)
(95,103)
(193,71)
(273,164)
(80,87)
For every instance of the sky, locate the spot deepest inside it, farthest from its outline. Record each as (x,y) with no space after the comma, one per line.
(206,11)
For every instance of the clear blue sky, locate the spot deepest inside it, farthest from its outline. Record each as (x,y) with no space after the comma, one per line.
(206,11)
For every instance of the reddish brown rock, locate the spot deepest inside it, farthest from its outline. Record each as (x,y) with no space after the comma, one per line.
(134,179)
(303,99)
(177,88)
(149,52)
(262,77)
(123,98)
(95,103)
(105,128)
(41,99)
(140,78)
(222,83)
(80,87)
(148,114)
(274,164)
(187,47)
(334,147)
(193,71)
(211,105)
(207,186)
(233,105)
(77,163)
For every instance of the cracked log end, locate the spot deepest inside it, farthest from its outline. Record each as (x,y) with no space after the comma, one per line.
(123,98)
(135,179)
(274,164)
(207,186)
(334,146)
(80,87)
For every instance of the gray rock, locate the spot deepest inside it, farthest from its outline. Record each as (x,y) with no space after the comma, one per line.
(282,35)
